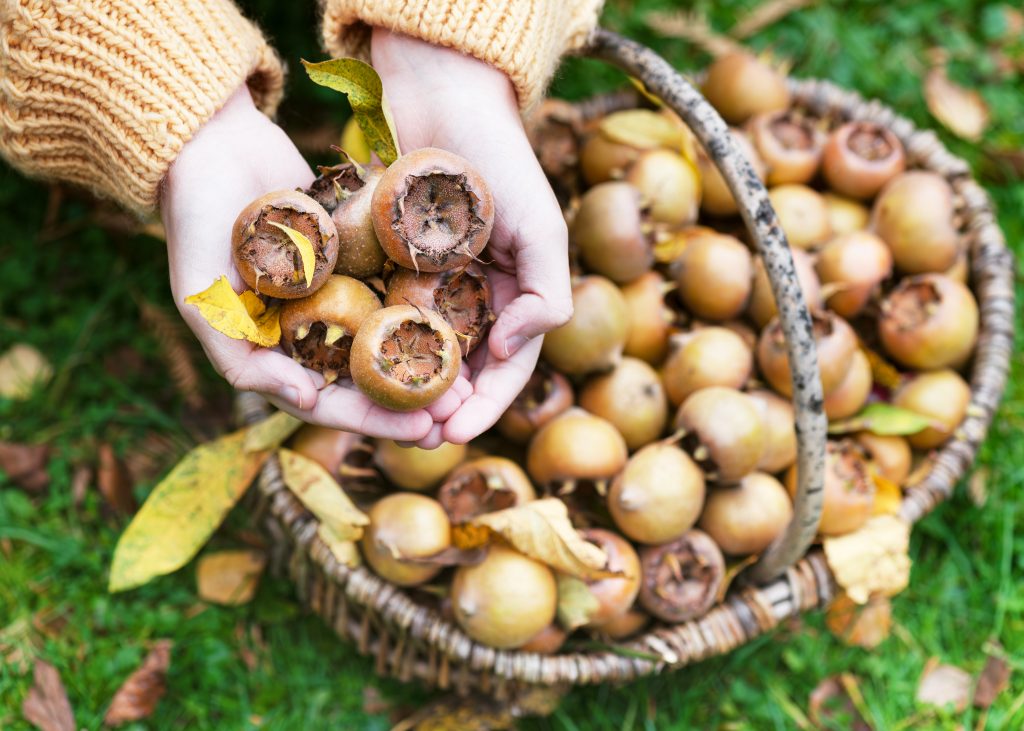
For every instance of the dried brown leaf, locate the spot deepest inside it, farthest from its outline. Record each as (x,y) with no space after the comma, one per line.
(23,369)
(864,626)
(831,704)
(962,111)
(765,14)
(176,350)
(944,685)
(994,679)
(872,560)
(25,464)
(138,695)
(46,706)
(229,578)
(115,482)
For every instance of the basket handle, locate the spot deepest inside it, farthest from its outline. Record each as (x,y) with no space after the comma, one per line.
(811,426)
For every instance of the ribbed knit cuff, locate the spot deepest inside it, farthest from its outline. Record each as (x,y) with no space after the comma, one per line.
(523,38)
(105,93)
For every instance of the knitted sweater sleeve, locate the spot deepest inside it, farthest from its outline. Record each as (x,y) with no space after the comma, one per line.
(523,38)
(105,93)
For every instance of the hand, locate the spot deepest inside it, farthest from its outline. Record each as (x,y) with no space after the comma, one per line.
(442,98)
(234,158)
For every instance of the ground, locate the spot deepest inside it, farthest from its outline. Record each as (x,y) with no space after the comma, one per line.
(73,289)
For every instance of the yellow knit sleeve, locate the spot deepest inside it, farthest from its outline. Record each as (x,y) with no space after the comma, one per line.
(524,38)
(105,93)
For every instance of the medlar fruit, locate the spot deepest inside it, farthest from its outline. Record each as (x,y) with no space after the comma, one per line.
(650,318)
(615,594)
(546,395)
(484,485)
(403,526)
(739,86)
(746,517)
(849,493)
(710,356)
(790,145)
(724,432)
(681,579)
(836,343)
(595,336)
(714,276)
(853,391)
(575,446)
(779,431)
(612,233)
(860,157)
(855,265)
(914,215)
(631,398)
(762,306)
(802,214)
(412,468)
(943,396)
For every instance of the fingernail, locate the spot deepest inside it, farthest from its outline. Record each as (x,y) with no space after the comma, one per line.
(292,396)
(513,344)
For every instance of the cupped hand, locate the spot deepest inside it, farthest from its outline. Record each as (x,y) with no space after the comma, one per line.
(237,156)
(442,98)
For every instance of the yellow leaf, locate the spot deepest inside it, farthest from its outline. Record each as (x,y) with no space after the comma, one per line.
(305,248)
(888,495)
(354,143)
(962,111)
(576,603)
(883,372)
(860,626)
(361,84)
(229,577)
(541,530)
(322,495)
(466,536)
(732,570)
(184,510)
(242,317)
(872,560)
(345,551)
(643,129)
(271,432)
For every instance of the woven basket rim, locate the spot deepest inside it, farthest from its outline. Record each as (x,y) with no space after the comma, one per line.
(742,615)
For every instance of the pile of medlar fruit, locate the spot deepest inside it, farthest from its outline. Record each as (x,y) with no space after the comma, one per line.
(660,412)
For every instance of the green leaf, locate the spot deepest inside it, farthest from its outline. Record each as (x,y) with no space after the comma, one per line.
(184,510)
(884,420)
(305,248)
(361,84)
(576,603)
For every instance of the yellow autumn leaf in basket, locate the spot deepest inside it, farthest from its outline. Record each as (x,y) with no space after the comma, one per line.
(242,317)
(361,84)
(305,247)
(344,551)
(322,496)
(541,530)
(873,560)
(888,495)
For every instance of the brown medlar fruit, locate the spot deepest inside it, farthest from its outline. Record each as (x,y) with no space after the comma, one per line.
(650,318)
(929,321)
(413,468)
(855,265)
(790,145)
(746,517)
(546,395)
(595,336)
(631,398)
(860,157)
(326,447)
(779,431)
(615,594)
(836,343)
(505,600)
(802,213)
(943,396)
(846,215)
(849,492)
(484,485)
(546,642)
(714,276)
(623,626)
(403,526)
(853,391)
(739,86)
(612,232)
(914,215)
(432,211)
(724,432)
(762,306)
(710,356)
(462,297)
(658,495)
(346,191)
(681,579)
(575,446)
(716,198)
(890,454)
(317,331)
(669,186)
(264,254)
(404,357)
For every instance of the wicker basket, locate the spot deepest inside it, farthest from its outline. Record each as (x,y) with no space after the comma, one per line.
(411,641)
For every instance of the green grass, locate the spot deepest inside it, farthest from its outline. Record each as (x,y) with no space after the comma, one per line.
(73,297)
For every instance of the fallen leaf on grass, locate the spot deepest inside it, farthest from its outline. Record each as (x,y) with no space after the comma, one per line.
(22,370)
(25,465)
(322,495)
(541,530)
(576,603)
(16,646)
(242,317)
(994,679)
(962,111)
(836,703)
(184,510)
(138,695)
(872,560)
(944,685)
(229,578)
(46,706)
(864,626)
(115,482)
